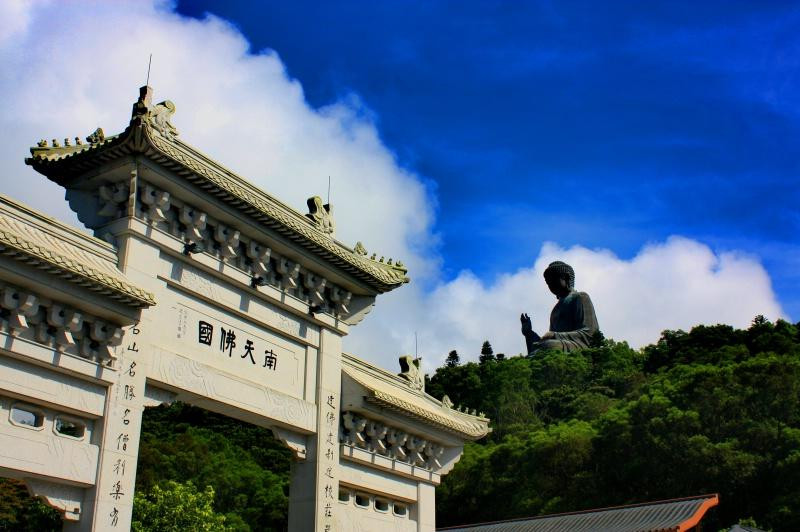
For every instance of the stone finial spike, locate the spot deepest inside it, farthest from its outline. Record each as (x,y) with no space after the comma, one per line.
(142,105)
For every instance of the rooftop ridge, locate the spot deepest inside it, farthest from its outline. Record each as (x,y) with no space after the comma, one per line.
(37,243)
(150,133)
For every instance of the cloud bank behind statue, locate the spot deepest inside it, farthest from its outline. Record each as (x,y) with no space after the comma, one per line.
(68,68)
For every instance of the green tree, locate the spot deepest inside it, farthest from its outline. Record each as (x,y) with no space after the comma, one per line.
(176,507)
(21,513)
(246,466)
(453,359)
(487,353)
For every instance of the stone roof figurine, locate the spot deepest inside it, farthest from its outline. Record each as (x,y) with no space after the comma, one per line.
(410,371)
(321,215)
(572,322)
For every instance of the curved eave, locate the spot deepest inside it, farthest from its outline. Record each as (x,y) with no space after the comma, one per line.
(470,431)
(79,274)
(61,166)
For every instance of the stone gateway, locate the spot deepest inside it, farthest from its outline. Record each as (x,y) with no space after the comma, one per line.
(199,287)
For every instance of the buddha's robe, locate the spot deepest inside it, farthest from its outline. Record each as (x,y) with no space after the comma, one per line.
(572,322)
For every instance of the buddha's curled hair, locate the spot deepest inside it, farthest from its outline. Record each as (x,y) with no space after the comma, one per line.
(561,269)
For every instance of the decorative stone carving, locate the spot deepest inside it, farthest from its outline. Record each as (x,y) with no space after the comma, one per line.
(96,136)
(409,367)
(447,402)
(114,198)
(65,321)
(376,433)
(396,439)
(321,215)
(341,298)
(195,223)
(259,262)
(360,249)
(157,202)
(160,116)
(228,240)
(289,272)
(20,306)
(47,322)
(433,453)
(65,499)
(316,289)
(202,233)
(107,338)
(354,426)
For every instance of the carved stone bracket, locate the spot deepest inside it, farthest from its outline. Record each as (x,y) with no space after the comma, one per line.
(114,197)
(259,261)
(201,233)
(66,499)
(293,441)
(26,314)
(379,438)
(195,223)
(157,202)
(228,240)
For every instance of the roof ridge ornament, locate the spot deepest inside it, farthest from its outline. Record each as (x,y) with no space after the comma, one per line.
(321,215)
(411,372)
(157,115)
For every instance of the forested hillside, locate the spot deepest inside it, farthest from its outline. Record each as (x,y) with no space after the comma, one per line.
(712,410)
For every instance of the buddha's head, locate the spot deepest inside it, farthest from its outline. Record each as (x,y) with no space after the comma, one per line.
(560,278)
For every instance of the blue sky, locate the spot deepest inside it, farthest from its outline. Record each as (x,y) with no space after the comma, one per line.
(650,145)
(608,125)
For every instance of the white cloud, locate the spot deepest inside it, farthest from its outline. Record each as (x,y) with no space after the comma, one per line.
(671,285)
(68,68)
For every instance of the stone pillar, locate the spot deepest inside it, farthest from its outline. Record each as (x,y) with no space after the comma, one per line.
(315,480)
(109,504)
(426,507)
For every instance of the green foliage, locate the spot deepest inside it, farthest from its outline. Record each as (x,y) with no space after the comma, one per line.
(175,507)
(247,468)
(713,410)
(22,513)
(487,353)
(452,359)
